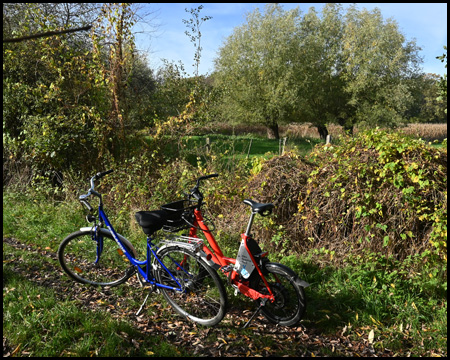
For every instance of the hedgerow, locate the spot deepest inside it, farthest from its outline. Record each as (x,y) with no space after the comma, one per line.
(379,191)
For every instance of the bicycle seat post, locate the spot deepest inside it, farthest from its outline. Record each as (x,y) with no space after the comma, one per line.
(250,222)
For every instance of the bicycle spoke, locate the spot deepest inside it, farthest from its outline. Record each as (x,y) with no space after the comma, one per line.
(289,304)
(202,297)
(81,259)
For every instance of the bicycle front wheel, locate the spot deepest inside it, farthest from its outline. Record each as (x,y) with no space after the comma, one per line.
(290,303)
(94,260)
(202,297)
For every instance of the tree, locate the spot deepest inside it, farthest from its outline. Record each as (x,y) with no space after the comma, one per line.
(49,98)
(345,68)
(376,62)
(322,98)
(114,54)
(173,89)
(140,93)
(199,97)
(257,69)
(426,106)
(64,104)
(443,81)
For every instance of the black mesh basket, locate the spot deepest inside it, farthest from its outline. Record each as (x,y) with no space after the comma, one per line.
(181,215)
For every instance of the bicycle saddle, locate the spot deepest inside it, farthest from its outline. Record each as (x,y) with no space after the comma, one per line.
(151,221)
(260,208)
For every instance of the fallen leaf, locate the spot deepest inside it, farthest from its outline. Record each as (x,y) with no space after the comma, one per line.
(371,336)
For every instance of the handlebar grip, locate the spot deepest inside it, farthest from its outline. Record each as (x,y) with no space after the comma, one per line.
(208,177)
(99,175)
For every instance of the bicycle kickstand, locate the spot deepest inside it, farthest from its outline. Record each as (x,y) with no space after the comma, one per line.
(153,288)
(263,302)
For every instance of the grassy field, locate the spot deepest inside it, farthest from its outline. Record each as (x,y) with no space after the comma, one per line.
(238,142)
(244,146)
(306,130)
(372,306)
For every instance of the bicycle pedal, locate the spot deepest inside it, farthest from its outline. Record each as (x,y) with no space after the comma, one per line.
(226,269)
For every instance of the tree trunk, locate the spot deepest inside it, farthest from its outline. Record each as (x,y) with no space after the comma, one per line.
(323,131)
(348,128)
(272,132)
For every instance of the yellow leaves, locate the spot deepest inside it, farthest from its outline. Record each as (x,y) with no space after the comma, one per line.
(415,178)
(376,322)
(16,350)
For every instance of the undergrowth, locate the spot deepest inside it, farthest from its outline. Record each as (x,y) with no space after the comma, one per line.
(378,191)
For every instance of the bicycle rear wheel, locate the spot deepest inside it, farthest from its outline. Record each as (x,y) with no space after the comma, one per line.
(81,258)
(290,303)
(203,296)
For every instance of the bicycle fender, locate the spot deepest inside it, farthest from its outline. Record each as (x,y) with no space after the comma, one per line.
(209,262)
(124,240)
(291,272)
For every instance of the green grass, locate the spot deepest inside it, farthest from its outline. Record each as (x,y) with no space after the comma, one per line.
(40,321)
(230,148)
(404,303)
(243,146)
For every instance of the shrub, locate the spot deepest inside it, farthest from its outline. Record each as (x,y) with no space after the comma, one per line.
(382,192)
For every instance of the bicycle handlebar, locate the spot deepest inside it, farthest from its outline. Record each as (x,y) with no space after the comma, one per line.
(99,175)
(91,191)
(206,177)
(195,192)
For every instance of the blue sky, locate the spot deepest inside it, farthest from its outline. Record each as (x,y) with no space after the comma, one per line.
(424,22)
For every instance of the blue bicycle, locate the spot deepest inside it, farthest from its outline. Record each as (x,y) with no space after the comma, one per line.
(100,256)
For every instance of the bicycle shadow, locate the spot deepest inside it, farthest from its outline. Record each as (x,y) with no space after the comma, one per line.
(328,310)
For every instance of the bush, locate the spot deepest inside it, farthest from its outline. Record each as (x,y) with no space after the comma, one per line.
(382,192)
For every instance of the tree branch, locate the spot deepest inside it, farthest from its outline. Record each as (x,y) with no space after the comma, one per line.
(48,33)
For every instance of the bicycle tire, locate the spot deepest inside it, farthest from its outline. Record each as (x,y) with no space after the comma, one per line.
(290,302)
(77,255)
(203,299)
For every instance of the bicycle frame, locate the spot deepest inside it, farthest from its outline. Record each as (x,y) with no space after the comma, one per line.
(136,263)
(217,256)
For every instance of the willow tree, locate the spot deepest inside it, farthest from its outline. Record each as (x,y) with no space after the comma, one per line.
(257,69)
(377,61)
(335,67)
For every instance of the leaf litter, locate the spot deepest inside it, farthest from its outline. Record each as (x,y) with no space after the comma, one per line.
(226,339)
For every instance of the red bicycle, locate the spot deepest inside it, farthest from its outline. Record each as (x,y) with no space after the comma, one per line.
(276,289)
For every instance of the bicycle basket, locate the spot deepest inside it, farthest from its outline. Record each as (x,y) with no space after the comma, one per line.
(181,215)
